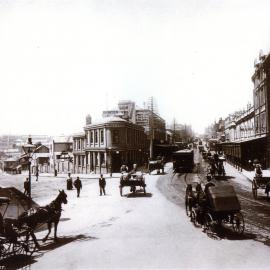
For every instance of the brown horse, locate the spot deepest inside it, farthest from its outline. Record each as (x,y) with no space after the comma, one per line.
(49,214)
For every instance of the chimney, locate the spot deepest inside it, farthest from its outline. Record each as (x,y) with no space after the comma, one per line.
(88,119)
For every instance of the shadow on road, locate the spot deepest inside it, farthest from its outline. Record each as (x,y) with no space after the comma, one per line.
(223,178)
(226,233)
(65,240)
(138,194)
(25,261)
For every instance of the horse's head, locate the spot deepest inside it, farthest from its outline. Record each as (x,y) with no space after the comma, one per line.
(62,196)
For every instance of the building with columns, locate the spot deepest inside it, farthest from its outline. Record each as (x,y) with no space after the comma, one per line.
(106,145)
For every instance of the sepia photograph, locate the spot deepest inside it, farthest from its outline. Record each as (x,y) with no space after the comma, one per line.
(134,134)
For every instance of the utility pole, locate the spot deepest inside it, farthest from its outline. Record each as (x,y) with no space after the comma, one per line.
(173,130)
(152,131)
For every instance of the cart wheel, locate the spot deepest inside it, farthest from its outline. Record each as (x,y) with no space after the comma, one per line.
(208,222)
(254,190)
(194,218)
(18,248)
(25,245)
(6,248)
(188,206)
(238,223)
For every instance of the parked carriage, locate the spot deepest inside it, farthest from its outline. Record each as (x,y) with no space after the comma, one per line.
(260,182)
(219,206)
(132,180)
(14,239)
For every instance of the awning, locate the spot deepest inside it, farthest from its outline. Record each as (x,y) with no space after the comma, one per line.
(245,140)
(253,139)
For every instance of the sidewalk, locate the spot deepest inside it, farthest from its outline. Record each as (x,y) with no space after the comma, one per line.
(81,175)
(251,174)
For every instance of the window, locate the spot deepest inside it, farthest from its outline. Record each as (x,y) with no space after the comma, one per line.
(256,100)
(91,137)
(263,122)
(262,97)
(257,124)
(115,137)
(96,136)
(101,136)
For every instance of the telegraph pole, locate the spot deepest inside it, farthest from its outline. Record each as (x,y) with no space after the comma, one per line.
(152,131)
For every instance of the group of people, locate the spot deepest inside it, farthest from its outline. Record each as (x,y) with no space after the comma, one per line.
(78,184)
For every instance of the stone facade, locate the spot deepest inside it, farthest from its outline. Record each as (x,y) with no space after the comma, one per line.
(108,144)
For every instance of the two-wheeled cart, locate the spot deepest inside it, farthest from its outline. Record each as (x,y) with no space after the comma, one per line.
(132,180)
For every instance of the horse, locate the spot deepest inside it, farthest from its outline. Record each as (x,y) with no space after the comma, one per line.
(49,214)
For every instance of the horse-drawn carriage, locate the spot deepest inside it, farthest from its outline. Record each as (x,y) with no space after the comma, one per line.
(14,239)
(218,206)
(183,161)
(260,182)
(157,164)
(216,167)
(17,235)
(132,180)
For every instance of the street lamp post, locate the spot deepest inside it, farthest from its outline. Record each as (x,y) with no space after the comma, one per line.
(29,151)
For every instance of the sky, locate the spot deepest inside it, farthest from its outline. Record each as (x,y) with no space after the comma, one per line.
(62,60)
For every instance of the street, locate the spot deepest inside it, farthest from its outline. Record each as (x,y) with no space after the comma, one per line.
(148,231)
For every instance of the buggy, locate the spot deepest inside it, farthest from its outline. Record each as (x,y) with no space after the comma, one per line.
(14,239)
(260,182)
(183,161)
(220,206)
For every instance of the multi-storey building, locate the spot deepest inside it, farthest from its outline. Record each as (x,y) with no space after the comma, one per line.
(62,154)
(153,124)
(247,131)
(106,145)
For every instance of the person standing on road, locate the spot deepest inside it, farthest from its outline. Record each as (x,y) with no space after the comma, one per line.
(69,182)
(102,185)
(37,174)
(26,186)
(78,186)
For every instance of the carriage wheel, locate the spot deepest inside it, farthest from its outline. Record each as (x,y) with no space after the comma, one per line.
(29,243)
(19,248)
(238,223)
(194,218)
(188,206)
(6,248)
(254,190)
(208,222)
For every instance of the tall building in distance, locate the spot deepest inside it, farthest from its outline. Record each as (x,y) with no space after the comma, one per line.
(147,117)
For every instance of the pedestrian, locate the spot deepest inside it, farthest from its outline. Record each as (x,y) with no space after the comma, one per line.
(78,186)
(37,173)
(102,185)
(26,186)
(69,182)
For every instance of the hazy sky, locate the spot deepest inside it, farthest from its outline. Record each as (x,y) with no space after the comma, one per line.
(60,59)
